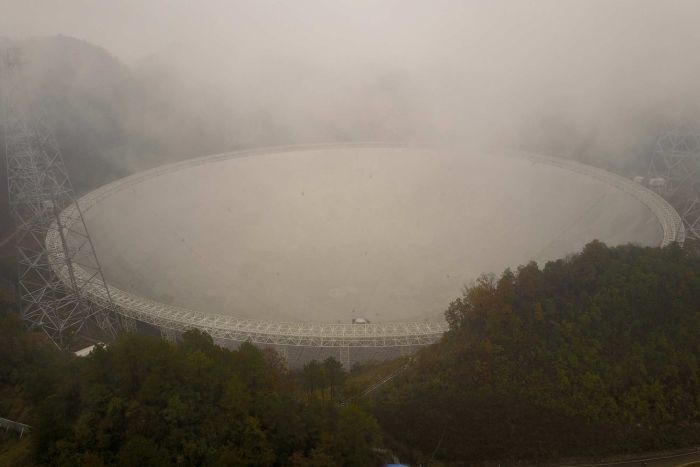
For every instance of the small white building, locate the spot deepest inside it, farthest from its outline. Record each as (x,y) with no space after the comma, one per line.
(86,351)
(657,182)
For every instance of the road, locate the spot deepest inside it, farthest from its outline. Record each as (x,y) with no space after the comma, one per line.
(660,460)
(379,383)
(20,428)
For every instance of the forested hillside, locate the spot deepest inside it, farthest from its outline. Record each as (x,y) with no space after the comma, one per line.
(593,354)
(144,401)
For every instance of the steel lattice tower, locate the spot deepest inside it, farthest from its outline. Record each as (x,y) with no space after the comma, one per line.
(39,191)
(676,167)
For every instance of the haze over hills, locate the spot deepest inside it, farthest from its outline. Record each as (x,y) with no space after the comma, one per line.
(85,94)
(111,119)
(321,323)
(96,107)
(159,109)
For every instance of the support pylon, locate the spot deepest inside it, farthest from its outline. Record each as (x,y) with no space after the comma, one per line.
(39,192)
(674,173)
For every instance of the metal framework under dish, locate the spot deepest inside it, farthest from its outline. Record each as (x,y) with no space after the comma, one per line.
(43,205)
(674,173)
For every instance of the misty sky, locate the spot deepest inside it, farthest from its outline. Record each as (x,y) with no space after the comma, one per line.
(471,70)
(604,75)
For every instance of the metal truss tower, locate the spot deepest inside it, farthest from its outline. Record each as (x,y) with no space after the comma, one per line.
(39,192)
(674,172)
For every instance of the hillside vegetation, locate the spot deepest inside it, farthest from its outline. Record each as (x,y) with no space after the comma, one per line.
(593,354)
(144,401)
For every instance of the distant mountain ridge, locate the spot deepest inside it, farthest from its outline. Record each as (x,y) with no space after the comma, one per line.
(85,94)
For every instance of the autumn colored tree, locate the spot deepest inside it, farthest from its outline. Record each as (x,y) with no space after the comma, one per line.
(596,353)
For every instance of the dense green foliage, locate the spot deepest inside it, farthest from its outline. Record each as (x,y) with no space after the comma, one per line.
(329,374)
(144,401)
(14,452)
(592,354)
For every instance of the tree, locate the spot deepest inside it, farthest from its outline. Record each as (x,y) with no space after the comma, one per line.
(144,401)
(335,374)
(141,451)
(313,376)
(582,356)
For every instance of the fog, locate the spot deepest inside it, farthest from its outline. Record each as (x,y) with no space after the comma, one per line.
(594,80)
(332,234)
(130,85)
